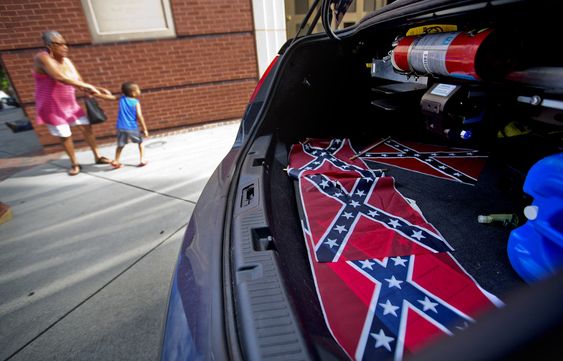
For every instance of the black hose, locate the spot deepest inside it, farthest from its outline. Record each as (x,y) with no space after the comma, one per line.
(326,19)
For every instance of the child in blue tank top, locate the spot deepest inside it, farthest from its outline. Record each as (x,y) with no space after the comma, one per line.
(128,117)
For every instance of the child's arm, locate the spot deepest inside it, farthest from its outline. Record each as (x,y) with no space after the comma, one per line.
(105,96)
(141,120)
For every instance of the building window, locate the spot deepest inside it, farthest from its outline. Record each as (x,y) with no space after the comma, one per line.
(301,6)
(111,20)
(369,5)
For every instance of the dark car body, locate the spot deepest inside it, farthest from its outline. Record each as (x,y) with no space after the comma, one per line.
(242,288)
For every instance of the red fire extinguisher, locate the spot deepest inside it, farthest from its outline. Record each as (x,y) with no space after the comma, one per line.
(458,54)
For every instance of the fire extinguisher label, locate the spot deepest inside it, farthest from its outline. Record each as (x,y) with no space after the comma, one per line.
(425,62)
(428,53)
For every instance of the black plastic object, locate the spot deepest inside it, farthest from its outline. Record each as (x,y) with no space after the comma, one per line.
(19,126)
(268,329)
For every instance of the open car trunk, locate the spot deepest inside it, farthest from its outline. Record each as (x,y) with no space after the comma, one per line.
(325,90)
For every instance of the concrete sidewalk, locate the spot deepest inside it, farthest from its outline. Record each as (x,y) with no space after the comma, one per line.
(86,261)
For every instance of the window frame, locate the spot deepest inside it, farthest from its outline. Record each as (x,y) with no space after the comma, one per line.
(99,36)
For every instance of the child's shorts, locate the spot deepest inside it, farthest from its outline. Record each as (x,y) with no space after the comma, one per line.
(63,130)
(124,136)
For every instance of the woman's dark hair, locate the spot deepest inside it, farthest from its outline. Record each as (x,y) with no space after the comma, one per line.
(127,88)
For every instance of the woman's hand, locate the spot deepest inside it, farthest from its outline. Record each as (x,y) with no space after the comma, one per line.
(103,94)
(90,89)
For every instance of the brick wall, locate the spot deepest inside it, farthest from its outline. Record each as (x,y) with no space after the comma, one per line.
(211,17)
(23,21)
(205,74)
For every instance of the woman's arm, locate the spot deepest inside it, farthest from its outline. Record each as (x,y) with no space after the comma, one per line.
(105,95)
(50,67)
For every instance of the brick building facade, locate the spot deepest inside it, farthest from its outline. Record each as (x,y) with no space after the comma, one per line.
(205,73)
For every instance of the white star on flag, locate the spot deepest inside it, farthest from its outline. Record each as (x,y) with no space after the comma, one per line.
(418,235)
(388,308)
(463,326)
(393,282)
(428,305)
(381,339)
(373,213)
(340,229)
(398,261)
(331,242)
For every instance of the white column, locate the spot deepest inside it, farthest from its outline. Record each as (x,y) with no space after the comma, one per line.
(269,27)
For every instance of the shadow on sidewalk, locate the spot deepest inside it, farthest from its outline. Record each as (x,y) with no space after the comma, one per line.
(13,165)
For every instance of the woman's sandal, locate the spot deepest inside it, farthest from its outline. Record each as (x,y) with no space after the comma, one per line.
(142,164)
(103,160)
(74,169)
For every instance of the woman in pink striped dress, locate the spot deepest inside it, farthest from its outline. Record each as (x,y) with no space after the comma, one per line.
(56,80)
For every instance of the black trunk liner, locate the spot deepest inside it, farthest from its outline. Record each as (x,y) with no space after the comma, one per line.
(453,209)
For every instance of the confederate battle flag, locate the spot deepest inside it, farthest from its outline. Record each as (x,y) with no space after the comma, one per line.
(351,211)
(454,164)
(384,275)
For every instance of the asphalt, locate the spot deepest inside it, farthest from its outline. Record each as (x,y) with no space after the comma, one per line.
(21,150)
(86,261)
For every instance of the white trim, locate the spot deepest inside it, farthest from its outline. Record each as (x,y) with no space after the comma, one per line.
(100,36)
(270,34)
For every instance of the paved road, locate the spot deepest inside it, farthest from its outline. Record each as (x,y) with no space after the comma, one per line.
(21,150)
(12,144)
(86,261)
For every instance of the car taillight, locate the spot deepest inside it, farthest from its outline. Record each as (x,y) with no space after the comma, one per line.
(261,81)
